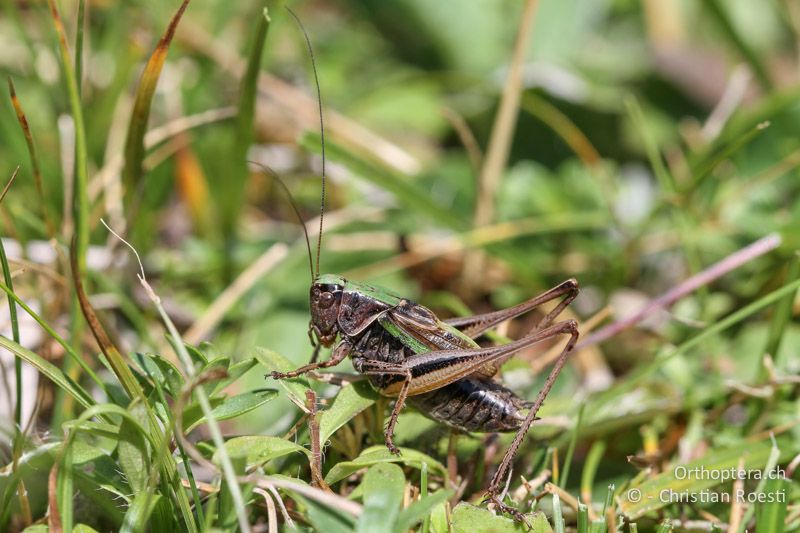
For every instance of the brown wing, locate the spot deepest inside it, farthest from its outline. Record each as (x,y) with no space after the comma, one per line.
(423,325)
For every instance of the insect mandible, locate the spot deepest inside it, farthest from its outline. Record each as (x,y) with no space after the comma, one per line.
(409,354)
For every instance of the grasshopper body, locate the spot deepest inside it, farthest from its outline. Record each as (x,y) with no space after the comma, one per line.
(381,327)
(409,353)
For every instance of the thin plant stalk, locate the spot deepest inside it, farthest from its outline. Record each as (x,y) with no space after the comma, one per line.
(202,397)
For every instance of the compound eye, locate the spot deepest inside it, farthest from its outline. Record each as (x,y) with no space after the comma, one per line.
(325,300)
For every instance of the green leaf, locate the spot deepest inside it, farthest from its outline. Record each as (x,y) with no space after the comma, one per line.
(259,450)
(64,488)
(160,370)
(220,363)
(467,518)
(417,511)
(134,457)
(236,371)
(134,144)
(227,408)
(325,518)
(296,388)
(82,528)
(227,508)
(351,400)
(50,370)
(383,493)
(379,454)
(772,503)
(148,512)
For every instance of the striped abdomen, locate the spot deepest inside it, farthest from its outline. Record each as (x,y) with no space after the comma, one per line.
(473,404)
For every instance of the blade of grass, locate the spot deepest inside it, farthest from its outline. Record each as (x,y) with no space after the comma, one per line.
(63,381)
(783,313)
(12,313)
(134,144)
(558,519)
(571,448)
(135,392)
(19,434)
(583,519)
(80,199)
(718,13)
(79,28)
(50,331)
(590,467)
(81,204)
(768,473)
(35,169)
(202,398)
(235,186)
(423,493)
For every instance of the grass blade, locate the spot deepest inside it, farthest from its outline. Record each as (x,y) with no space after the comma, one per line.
(717,12)
(590,469)
(571,449)
(783,313)
(35,169)
(51,371)
(235,186)
(134,144)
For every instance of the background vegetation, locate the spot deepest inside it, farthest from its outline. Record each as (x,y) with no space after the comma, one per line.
(652,139)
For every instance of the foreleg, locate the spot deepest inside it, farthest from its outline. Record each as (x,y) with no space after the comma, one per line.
(339,354)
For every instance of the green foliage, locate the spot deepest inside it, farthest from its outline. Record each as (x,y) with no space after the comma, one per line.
(638,158)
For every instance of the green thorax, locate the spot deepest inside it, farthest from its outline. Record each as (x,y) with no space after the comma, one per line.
(387,297)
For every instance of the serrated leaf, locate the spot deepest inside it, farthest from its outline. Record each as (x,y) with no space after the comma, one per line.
(351,400)
(467,518)
(379,454)
(259,450)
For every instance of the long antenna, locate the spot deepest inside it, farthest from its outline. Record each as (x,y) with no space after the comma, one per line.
(274,175)
(321,129)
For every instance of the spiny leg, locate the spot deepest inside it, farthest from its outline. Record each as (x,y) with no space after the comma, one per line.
(432,370)
(570,288)
(476,325)
(493,490)
(339,354)
(382,368)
